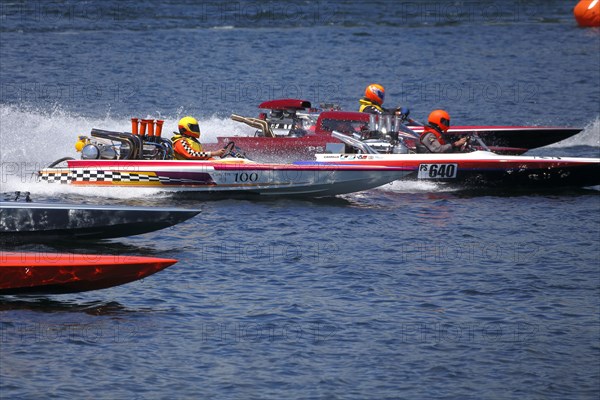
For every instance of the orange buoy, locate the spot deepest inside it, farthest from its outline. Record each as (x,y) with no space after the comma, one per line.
(587,13)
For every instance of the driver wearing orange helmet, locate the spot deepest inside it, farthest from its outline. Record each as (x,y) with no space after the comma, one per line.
(186,145)
(373,100)
(432,137)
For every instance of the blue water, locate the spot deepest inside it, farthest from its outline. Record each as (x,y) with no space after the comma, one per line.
(407,291)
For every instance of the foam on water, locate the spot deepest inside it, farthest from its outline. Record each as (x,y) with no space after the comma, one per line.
(34,136)
(31,139)
(29,183)
(589,136)
(416,187)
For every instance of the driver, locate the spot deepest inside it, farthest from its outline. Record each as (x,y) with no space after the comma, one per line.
(432,137)
(186,145)
(372,102)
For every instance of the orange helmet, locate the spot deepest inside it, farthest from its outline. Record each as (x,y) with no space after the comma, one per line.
(189,126)
(440,118)
(375,93)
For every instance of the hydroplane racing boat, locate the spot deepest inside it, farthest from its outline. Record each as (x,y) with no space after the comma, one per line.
(475,168)
(291,129)
(121,159)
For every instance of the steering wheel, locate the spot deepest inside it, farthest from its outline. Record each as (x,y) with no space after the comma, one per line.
(467,146)
(229,150)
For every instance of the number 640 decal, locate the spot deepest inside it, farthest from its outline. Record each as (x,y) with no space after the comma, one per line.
(437,171)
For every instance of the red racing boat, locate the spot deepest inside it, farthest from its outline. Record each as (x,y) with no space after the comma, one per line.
(293,130)
(49,273)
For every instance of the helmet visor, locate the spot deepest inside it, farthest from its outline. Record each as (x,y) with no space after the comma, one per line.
(445,122)
(194,128)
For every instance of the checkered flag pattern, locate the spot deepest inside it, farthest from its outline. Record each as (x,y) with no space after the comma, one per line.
(84,175)
(87,175)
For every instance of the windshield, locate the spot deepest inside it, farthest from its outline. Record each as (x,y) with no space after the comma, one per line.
(345,126)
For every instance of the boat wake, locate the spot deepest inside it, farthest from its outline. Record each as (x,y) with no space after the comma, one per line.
(416,187)
(39,190)
(589,136)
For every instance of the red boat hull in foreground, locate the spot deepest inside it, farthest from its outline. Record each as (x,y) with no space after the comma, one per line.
(50,273)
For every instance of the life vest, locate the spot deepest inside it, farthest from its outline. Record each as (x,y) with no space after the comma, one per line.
(366,103)
(436,132)
(187,148)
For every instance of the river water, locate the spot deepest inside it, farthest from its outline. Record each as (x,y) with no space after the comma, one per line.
(410,290)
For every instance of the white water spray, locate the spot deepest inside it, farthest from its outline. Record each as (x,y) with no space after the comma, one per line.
(31,139)
(589,136)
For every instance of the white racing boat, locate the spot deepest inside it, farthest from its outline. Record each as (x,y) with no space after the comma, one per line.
(475,168)
(133,162)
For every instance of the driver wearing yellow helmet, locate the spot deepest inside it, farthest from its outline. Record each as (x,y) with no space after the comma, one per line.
(186,145)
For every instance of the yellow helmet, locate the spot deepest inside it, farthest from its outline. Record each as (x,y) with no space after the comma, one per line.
(189,126)
(81,142)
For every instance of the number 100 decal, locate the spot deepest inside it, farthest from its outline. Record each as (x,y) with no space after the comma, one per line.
(437,171)
(246,177)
